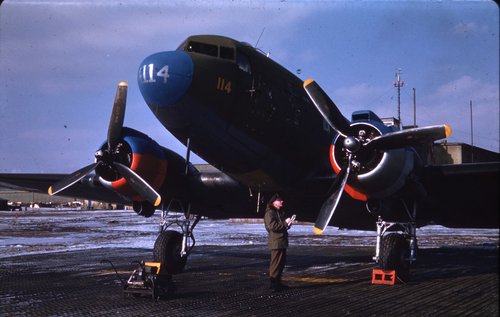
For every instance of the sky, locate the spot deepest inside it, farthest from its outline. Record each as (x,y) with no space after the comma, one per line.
(60,62)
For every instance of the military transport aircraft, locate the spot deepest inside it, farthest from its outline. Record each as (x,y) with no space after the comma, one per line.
(263,130)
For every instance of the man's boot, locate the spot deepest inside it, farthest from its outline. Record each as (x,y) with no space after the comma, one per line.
(274,284)
(281,286)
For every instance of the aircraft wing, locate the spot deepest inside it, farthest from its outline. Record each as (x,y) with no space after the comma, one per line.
(462,195)
(41,182)
(212,192)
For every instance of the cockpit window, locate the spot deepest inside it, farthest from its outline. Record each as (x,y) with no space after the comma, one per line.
(226,53)
(182,46)
(243,62)
(202,48)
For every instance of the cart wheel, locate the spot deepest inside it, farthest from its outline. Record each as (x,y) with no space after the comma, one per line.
(156,293)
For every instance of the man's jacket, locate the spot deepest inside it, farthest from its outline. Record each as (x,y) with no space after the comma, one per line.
(277,228)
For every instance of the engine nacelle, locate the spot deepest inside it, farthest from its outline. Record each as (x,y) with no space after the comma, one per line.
(374,174)
(143,155)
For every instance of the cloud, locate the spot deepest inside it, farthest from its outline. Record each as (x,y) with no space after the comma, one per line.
(114,39)
(450,103)
(362,96)
(156,3)
(468,28)
(466,88)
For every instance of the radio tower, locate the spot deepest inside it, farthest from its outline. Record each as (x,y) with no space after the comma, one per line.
(398,83)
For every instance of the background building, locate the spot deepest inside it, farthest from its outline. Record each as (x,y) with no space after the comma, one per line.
(458,153)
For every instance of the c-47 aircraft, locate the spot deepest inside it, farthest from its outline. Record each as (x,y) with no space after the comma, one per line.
(263,130)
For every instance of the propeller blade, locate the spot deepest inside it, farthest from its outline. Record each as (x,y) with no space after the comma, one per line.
(404,138)
(139,184)
(329,206)
(327,108)
(71,179)
(117,115)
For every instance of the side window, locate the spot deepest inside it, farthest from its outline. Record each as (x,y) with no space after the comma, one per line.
(226,53)
(243,62)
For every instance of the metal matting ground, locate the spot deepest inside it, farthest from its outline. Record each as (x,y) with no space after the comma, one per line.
(232,281)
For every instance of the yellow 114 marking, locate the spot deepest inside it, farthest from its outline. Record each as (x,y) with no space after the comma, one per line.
(223,85)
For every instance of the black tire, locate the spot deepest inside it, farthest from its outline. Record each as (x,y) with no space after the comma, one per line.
(156,293)
(167,251)
(394,254)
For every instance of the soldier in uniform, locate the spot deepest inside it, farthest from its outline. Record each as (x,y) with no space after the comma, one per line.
(277,227)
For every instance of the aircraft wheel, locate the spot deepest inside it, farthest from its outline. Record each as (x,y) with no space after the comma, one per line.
(167,251)
(394,254)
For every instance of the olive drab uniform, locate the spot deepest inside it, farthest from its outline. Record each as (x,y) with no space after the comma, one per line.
(277,228)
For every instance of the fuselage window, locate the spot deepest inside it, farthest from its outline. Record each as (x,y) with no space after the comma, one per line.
(243,62)
(202,48)
(226,53)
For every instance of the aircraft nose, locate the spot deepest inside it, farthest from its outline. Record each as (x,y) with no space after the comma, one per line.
(165,77)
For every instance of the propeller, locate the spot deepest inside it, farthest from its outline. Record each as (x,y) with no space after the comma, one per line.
(414,136)
(117,116)
(139,184)
(71,179)
(329,206)
(327,108)
(108,156)
(354,145)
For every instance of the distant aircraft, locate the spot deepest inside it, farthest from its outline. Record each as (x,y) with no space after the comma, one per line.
(263,130)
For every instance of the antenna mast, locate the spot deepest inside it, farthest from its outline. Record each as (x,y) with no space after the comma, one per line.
(414,107)
(258,40)
(398,83)
(471,136)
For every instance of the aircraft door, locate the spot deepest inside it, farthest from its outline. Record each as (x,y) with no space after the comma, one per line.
(245,78)
(255,103)
(245,97)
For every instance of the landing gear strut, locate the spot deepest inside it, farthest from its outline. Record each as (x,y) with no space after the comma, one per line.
(396,247)
(172,247)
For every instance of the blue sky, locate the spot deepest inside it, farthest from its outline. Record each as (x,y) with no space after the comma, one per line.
(60,62)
